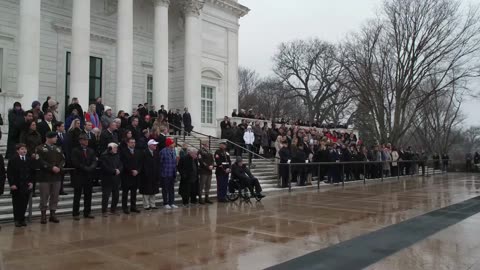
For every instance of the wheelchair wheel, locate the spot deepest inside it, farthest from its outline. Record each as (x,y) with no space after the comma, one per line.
(232,196)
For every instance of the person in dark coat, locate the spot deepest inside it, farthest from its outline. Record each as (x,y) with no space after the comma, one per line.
(150,180)
(45,105)
(31,138)
(222,172)
(47,125)
(108,136)
(205,171)
(163,112)
(75,105)
(20,178)
(84,162)
(99,107)
(132,169)
(16,122)
(188,169)
(299,157)
(187,122)
(111,167)
(283,167)
(242,173)
(177,122)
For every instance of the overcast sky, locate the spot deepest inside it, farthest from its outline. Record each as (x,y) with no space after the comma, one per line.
(271,22)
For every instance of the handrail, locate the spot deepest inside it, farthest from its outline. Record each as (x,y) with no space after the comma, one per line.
(249,151)
(195,132)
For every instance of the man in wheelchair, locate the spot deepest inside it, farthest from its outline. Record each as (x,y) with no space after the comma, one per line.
(243,174)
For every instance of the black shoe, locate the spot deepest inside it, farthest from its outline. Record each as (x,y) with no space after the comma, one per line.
(126,212)
(89,216)
(134,210)
(63,193)
(147,209)
(18,224)
(154,208)
(260,195)
(54,219)
(76,218)
(23,224)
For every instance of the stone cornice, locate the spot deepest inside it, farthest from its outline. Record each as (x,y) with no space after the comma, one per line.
(164,3)
(193,7)
(65,28)
(231,6)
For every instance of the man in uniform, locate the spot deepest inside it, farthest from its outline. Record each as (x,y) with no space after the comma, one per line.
(85,163)
(205,159)
(222,160)
(51,161)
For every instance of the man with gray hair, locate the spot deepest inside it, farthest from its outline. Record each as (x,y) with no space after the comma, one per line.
(188,168)
(205,170)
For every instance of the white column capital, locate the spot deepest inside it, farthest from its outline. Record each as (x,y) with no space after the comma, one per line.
(163,3)
(193,7)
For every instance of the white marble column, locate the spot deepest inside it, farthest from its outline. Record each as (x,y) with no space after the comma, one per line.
(29,51)
(80,66)
(124,92)
(193,51)
(160,73)
(232,93)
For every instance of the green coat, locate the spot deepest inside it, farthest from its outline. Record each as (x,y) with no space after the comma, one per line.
(48,157)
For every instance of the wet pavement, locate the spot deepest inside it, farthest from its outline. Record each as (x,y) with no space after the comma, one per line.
(241,236)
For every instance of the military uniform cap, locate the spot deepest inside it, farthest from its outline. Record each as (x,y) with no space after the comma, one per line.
(51,134)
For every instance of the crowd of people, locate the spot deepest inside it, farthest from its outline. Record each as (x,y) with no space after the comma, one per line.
(298,150)
(131,153)
(134,153)
(299,122)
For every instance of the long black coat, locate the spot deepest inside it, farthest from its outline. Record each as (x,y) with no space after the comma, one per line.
(187,122)
(150,179)
(16,123)
(85,167)
(20,173)
(109,163)
(188,169)
(130,163)
(105,138)
(43,129)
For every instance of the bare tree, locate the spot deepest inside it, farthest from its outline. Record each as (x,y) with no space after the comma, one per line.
(411,42)
(248,80)
(310,71)
(471,139)
(437,125)
(340,108)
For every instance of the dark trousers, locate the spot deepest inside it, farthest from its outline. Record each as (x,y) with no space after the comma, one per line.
(284,174)
(250,148)
(168,190)
(133,197)
(20,202)
(222,185)
(254,185)
(86,189)
(303,176)
(107,190)
(189,194)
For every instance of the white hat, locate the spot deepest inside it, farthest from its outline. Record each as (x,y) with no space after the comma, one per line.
(152,141)
(107,108)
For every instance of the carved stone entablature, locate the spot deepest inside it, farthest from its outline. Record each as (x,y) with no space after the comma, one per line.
(231,6)
(193,7)
(164,3)
(94,35)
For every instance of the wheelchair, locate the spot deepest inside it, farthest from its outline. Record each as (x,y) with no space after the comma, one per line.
(237,189)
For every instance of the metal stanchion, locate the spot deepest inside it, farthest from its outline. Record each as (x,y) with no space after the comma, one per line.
(289,179)
(381,170)
(398,170)
(364,173)
(319,179)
